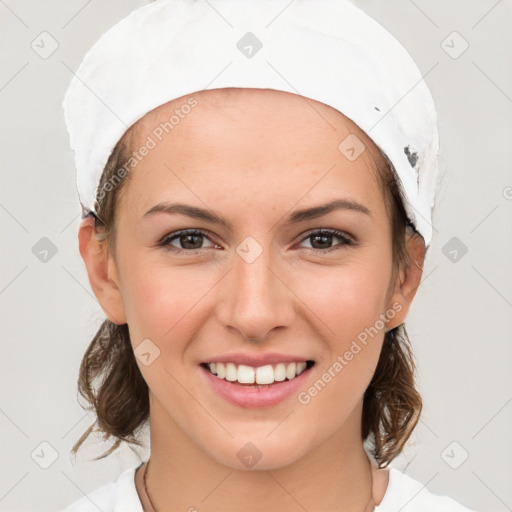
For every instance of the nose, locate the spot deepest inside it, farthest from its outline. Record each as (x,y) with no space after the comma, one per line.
(258,300)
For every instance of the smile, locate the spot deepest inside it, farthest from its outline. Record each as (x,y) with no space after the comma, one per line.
(262,375)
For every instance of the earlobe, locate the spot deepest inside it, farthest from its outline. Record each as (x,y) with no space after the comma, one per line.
(408,281)
(101,271)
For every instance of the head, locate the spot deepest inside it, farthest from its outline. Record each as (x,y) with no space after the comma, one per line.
(254,158)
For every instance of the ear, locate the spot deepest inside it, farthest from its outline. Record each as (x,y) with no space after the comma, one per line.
(102,272)
(407,280)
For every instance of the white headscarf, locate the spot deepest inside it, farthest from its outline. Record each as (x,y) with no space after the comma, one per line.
(326,50)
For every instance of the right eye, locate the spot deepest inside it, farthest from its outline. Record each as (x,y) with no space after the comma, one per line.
(188,240)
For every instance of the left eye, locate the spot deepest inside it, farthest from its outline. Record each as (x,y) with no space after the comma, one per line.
(325,237)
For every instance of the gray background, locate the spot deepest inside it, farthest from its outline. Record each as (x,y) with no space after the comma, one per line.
(460,322)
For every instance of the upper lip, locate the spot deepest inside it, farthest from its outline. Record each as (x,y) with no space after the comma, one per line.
(256,359)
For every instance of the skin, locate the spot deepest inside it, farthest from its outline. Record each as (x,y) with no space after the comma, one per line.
(253,156)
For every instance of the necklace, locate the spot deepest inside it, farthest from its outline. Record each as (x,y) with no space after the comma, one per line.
(370,505)
(153,509)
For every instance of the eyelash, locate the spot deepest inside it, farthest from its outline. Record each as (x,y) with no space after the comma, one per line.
(347,240)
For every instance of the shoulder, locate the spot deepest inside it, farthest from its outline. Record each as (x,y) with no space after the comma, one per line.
(118,496)
(406,494)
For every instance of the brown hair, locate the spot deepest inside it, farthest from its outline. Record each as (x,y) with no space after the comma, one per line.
(112,384)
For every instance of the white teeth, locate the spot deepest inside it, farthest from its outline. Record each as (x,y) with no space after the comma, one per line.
(301,367)
(291,371)
(262,375)
(221,371)
(231,374)
(280,372)
(245,374)
(265,374)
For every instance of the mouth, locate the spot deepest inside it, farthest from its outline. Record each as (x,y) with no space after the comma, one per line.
(257,377)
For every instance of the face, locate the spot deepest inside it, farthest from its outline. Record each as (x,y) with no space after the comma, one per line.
(267,286)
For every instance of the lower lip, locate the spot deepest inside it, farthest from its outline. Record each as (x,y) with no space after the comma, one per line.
(243,395)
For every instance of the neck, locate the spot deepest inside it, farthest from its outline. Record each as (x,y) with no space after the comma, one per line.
(333,476)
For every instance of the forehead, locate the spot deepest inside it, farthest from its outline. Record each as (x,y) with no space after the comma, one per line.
(265,112)
(257,138)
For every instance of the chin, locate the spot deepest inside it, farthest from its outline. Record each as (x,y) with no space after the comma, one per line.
(259,453)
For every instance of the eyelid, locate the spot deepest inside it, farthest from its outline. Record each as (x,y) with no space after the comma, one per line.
(348,240)
(329,231)
(165,241)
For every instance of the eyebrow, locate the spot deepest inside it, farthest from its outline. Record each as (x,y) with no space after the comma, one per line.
(297,216)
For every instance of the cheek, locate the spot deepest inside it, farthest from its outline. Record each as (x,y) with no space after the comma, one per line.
(156,299)
(349,303)
(165,304)
(347,299)
(161,304)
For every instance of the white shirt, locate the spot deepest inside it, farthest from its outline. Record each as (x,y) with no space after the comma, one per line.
(403,494)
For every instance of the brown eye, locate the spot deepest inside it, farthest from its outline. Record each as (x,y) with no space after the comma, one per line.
(322,240)
(186,240)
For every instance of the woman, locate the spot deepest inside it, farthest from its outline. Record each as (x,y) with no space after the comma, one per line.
(255,241)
